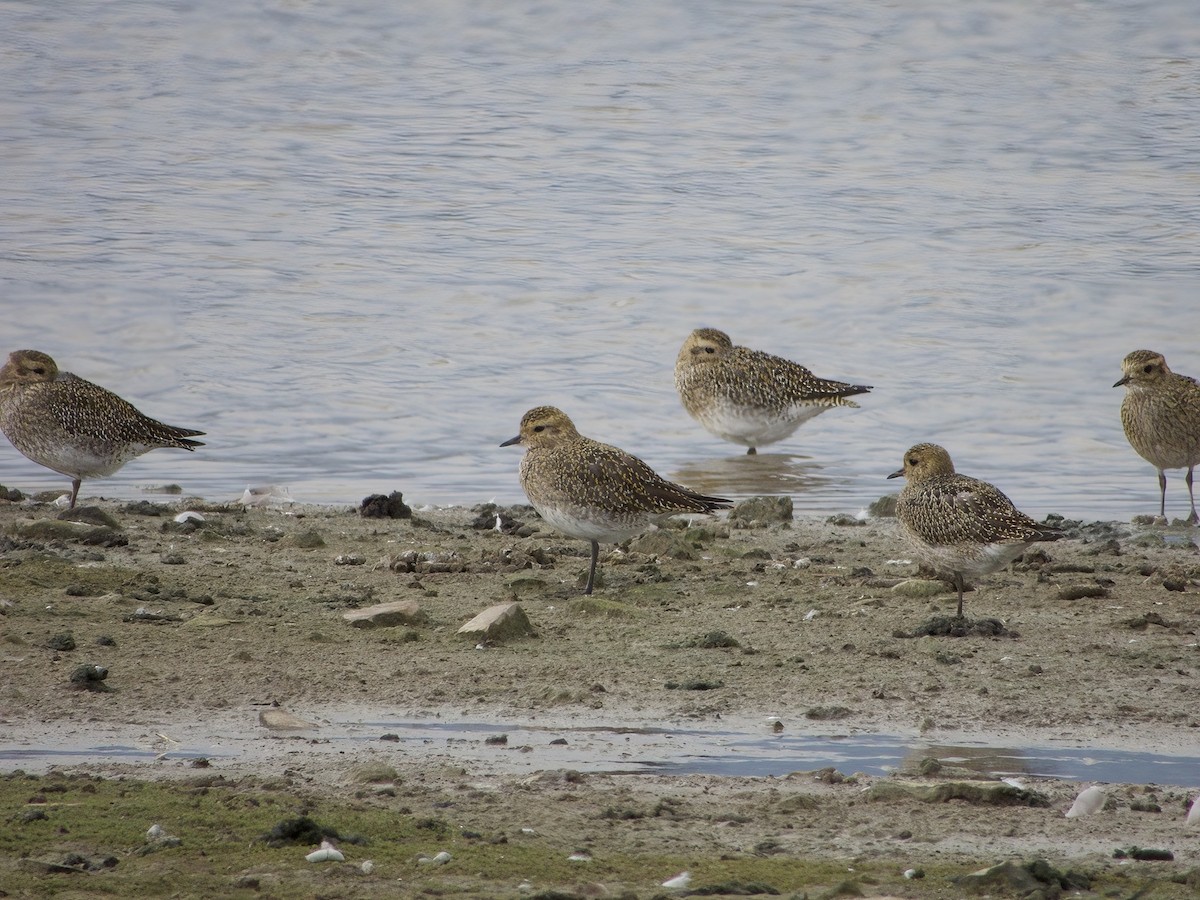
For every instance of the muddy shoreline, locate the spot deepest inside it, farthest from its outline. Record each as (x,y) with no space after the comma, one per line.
(751,624)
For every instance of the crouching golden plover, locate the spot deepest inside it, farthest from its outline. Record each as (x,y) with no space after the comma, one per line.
(594,491)
(1161,415)
(750,397)
(958,525)
(72,426)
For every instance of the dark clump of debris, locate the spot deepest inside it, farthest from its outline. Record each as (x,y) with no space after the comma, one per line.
(303,830)
(1033,879)
(377,506)
(90,678)
(956,626)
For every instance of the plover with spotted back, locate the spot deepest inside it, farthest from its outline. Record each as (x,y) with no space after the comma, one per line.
(957,525)
(72,426)
(750,397)
(594,491)
(1161,416)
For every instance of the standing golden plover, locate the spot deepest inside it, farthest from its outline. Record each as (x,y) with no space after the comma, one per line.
(960,525)
(72,426)
(750,397)
(1161,415)
(594,491)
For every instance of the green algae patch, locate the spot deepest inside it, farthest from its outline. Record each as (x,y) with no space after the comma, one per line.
(86,833)
(50,574)
(985,793)
(599,606)
(80,834)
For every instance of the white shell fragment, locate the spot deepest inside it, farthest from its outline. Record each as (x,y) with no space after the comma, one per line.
(367,867)
(326,853)
(270,495)
(155,833)
(189,516)
(1090,800)
(678,882)
(1193,816)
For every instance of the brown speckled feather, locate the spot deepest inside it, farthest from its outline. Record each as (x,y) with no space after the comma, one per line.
(955,509)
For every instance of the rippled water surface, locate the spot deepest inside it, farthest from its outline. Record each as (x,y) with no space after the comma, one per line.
(354,242)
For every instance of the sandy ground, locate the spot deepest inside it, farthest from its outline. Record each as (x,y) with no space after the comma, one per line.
(701,635)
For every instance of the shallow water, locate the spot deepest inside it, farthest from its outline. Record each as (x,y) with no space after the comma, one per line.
(618,750)
(355,244)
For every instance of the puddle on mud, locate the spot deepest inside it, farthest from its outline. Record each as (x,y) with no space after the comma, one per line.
(531,748)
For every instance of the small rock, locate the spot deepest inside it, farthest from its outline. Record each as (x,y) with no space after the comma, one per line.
(845,521)
(884,507)
(306,540)
(386,615)
(664,543)
(919,587)
(54,530)
(90,515)
(1081,591)
(62,643)
(282,720)
(498,623)
(758,512)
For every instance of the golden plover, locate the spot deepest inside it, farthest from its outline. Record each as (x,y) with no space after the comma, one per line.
(959,525)
(72,426)
(594,491)
(750,397)
(1161,415)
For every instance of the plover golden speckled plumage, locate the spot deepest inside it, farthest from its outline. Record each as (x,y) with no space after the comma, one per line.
(594,491)
(958,525)
(1161,415)
(750,397)
(72,426)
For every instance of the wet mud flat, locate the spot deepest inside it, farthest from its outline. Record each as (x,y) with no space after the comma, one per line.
(752,625)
